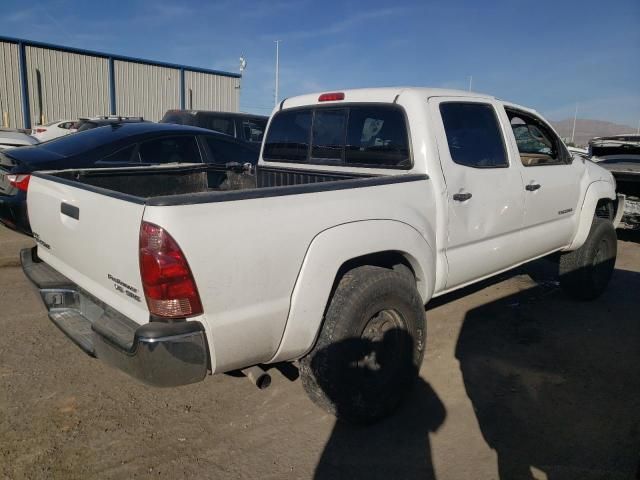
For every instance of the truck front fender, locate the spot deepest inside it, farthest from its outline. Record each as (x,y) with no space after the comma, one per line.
(595,191)
(328,251)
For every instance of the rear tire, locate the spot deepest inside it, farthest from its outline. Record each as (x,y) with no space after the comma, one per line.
(370,347)
(585,272)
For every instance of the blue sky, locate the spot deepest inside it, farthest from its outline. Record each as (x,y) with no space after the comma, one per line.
(546,55)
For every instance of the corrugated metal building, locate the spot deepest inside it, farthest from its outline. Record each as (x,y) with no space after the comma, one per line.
(40,83)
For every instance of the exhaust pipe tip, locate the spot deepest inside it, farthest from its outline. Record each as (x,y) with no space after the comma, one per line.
(259,377)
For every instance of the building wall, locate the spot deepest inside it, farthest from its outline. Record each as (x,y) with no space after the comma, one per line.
(71,85)
(211,92)
(146,90)
(67,83)
(10,93)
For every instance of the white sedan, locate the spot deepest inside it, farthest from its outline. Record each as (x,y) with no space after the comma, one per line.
(55,129)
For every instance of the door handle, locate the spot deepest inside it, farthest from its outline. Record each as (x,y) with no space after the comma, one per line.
(461,197)
(70,210)
(532,187)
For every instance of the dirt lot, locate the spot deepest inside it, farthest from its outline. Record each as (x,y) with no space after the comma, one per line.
(518,382)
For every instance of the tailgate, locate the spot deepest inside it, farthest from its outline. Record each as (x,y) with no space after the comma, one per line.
(92,239)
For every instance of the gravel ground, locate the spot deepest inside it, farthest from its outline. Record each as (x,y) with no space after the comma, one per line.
(518,382)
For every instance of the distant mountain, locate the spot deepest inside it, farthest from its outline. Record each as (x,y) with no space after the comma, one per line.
(587,129)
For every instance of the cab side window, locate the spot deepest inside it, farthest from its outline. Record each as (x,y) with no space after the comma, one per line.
(473,135)
(537,144)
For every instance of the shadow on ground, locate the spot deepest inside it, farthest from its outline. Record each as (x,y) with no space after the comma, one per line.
(365,378)
(555,383)
(397,447)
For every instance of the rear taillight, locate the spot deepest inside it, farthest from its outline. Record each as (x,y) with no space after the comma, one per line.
(21,182)
(167,281)
(40,130)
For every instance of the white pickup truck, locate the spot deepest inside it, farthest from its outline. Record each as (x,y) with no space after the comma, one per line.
(365,204)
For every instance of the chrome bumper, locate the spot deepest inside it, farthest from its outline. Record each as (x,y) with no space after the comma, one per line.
(158,353)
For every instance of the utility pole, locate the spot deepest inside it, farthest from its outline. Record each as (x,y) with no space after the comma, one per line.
(638,130)
(573,132)
(470,81)
(277,68)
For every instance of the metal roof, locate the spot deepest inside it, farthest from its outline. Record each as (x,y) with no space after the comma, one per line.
(93,53)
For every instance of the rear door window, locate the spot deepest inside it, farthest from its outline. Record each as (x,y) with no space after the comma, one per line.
(373,136)
(182,149)
(473,135)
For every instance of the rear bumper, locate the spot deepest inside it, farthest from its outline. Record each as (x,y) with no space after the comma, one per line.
(158,353)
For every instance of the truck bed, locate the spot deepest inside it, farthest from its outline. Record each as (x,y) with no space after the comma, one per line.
(189,182)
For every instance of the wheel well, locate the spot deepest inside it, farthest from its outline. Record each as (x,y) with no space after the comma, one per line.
(391,259)
(605,209)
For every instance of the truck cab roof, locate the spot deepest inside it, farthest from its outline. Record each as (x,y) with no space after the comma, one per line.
(379,94)
(387,95)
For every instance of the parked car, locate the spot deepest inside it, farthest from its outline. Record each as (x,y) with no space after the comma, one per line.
(15,138)
(114,145)
(366,204)
(620,154)
(100,121)
(244,126)
(56,129)
(582,152)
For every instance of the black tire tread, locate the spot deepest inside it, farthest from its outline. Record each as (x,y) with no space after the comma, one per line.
(351,290)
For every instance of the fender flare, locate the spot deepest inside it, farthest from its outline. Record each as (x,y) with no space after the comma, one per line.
(327,252)
(595,191)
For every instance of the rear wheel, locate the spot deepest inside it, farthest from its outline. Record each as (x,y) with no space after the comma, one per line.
(370,348)
(585,272)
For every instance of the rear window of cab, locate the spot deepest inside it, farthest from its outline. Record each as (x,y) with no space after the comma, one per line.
(371,136)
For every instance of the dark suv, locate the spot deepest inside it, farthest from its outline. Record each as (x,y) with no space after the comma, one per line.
(243,126)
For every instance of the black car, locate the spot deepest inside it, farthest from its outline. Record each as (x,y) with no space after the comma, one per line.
(244,126)
(115,145)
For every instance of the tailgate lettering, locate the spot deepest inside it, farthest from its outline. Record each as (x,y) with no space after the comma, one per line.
(124,287)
